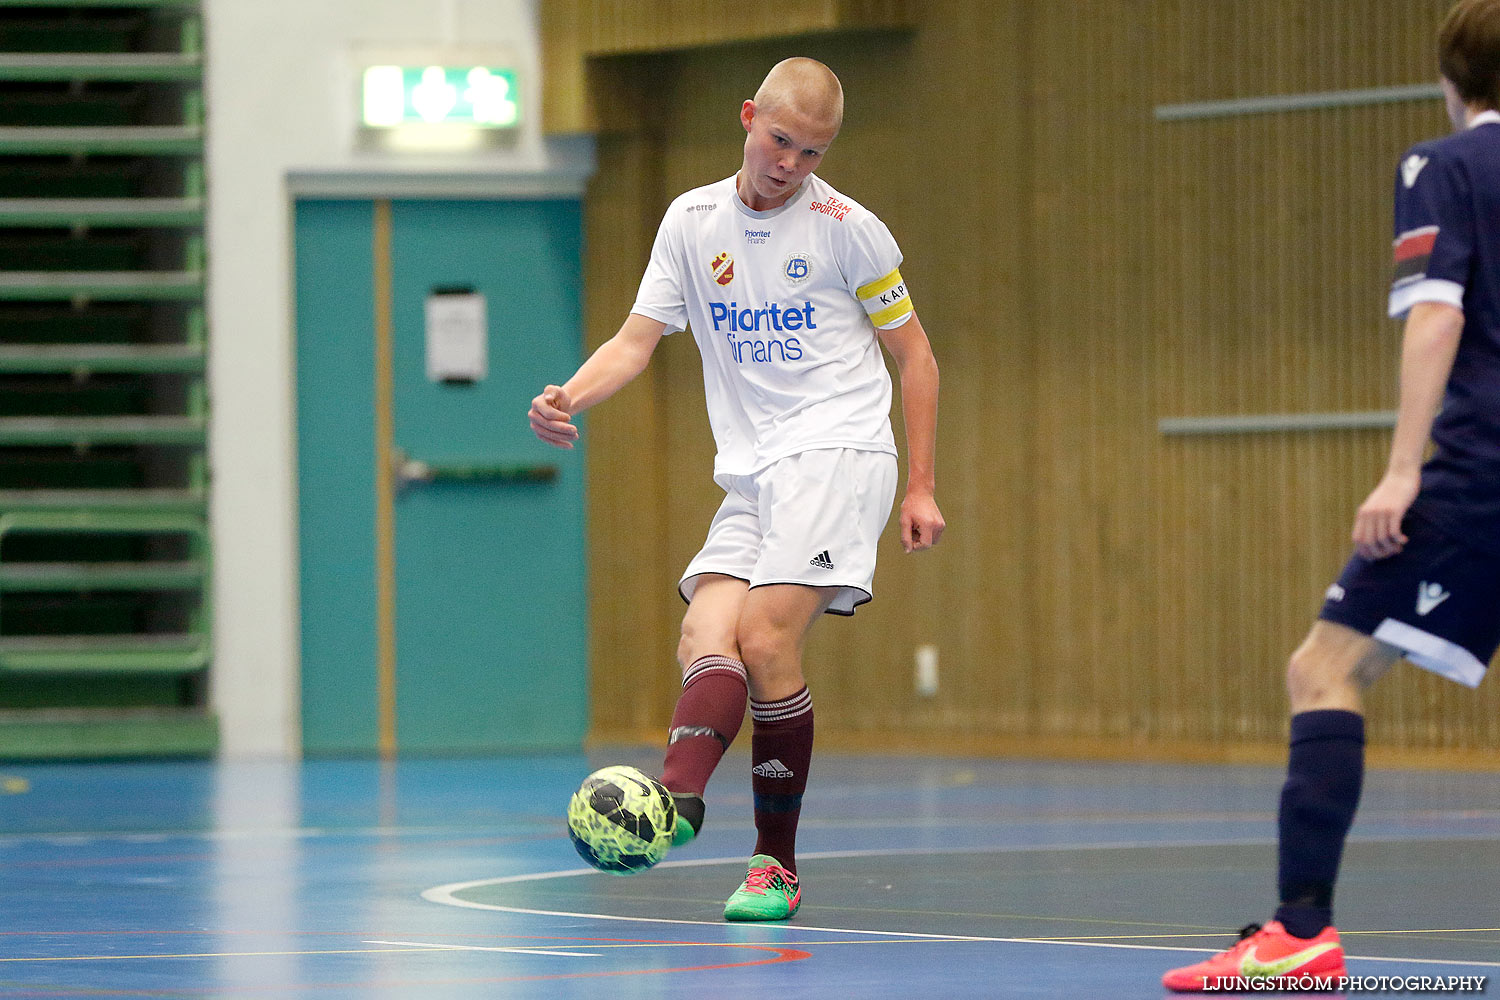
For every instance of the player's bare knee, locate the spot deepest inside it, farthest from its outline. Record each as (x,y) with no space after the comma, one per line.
(698,641)
(774,678)
(685,655)
(1306,682)
(1333,667)
(1319,677)
(763,647)
(689,652)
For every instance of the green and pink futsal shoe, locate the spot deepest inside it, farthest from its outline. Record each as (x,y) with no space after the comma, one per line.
(769,892)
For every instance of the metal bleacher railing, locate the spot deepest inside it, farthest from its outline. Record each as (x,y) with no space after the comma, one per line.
(177,650)
(105,617)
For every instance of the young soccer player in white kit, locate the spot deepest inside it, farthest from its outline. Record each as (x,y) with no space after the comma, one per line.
(789,288)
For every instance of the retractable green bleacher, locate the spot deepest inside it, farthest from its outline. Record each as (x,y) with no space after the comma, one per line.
(105,617)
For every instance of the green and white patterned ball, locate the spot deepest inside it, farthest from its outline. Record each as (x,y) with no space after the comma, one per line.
(621,820)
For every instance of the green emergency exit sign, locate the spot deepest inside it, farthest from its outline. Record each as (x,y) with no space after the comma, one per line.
(477,96)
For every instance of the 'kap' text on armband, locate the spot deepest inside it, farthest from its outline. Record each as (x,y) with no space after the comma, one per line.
(885,299)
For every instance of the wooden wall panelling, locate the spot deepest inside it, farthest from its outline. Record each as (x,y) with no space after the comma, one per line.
(1093,486)
(577,31)
(626,457)
(564,87)
(1267,238)
(1084,270)
(616,26)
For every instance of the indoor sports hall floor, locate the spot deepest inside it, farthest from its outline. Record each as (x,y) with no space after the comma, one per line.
(924,877)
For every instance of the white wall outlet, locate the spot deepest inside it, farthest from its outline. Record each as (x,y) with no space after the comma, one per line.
(927,671)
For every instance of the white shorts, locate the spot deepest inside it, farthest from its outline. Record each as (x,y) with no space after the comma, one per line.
(812,518)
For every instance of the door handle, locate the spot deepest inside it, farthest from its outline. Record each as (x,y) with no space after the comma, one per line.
(409,472)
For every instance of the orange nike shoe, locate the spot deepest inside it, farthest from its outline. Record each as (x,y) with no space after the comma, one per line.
(1264,954)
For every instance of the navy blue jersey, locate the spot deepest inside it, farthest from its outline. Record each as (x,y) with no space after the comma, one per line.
(1447,249)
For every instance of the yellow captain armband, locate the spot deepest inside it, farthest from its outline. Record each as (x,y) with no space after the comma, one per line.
(885,299)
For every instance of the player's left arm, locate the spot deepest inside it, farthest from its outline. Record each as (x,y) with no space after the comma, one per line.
(921,522)
(1428,348)
(1433,256)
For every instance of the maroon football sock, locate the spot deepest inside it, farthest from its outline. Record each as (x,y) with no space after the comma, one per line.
(705,722)
(781,751)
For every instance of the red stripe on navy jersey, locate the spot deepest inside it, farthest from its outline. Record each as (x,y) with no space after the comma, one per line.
(1416,243)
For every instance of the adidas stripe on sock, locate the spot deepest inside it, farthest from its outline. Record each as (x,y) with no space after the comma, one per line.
(781,752)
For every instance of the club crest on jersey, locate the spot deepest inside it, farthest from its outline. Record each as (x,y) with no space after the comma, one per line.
(798,268)
(1411,167)
(722,267)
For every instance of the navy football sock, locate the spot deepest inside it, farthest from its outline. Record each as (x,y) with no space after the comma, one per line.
(1324,772)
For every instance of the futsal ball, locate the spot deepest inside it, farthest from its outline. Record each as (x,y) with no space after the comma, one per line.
(621,820)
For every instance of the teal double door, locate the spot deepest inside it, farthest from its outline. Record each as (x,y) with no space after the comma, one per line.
(442,560)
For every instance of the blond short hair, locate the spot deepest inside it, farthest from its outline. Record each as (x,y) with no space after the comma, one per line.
(804,85)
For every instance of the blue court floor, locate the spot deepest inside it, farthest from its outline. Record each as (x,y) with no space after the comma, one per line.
(923,877)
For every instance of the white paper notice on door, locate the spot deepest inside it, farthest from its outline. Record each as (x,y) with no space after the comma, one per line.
(458,336)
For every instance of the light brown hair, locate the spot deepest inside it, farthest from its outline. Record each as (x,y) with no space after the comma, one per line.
(1469,51)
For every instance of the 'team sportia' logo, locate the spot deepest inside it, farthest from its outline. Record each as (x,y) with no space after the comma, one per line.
(832,207)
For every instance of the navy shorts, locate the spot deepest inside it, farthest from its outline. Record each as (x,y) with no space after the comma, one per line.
(1437,600)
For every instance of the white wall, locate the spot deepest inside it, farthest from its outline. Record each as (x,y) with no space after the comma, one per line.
(282,102)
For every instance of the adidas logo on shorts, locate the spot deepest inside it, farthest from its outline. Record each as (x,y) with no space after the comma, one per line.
(822,560)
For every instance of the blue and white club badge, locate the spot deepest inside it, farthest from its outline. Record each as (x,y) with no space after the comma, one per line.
(798,268)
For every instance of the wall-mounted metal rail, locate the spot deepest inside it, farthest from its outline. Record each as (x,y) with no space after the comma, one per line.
(1318,101)
(1268,423)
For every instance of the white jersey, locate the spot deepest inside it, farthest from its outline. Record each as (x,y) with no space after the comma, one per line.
(784,305)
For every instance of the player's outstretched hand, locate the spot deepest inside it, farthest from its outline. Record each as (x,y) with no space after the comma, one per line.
(921,522)
(1377,524)
(552,417)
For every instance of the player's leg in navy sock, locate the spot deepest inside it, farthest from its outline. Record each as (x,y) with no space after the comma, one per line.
(1326,679)
(781,752)
(1325,770)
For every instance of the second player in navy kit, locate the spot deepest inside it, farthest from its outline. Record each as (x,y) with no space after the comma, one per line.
(1424,580)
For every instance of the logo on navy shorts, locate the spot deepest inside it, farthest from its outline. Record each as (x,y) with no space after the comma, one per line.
(1334,593)
(1429,596)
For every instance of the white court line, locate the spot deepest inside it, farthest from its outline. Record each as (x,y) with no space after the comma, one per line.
(445,895)
(890,852)
(546,829)
(474,947)
(867,853)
